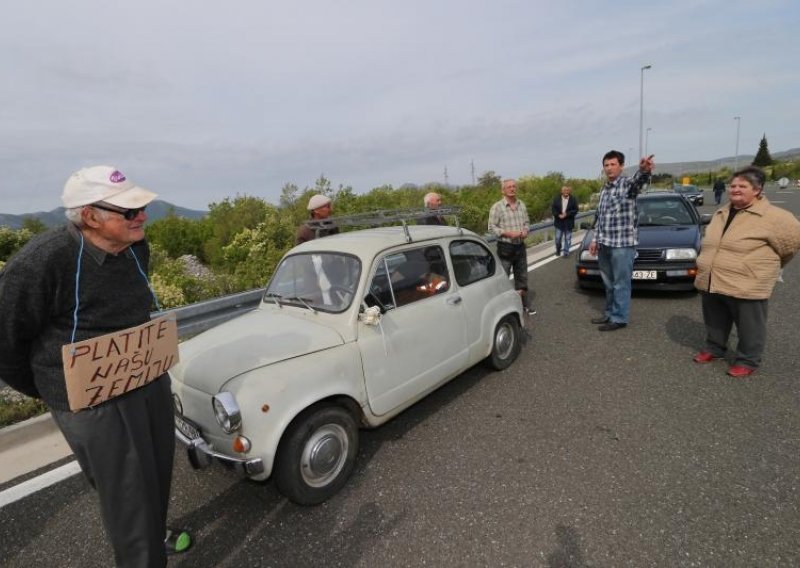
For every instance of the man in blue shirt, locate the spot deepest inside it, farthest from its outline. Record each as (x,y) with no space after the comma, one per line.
(616,236)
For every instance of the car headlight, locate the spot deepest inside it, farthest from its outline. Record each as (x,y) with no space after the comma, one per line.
(586,255)
(227,412)
(681,254)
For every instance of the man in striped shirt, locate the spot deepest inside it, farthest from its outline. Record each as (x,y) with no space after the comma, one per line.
(509,222)
(616,236)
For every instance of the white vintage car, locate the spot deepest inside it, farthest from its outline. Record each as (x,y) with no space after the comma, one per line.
(352,329)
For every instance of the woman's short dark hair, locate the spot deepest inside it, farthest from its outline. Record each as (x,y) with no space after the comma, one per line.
(752,174)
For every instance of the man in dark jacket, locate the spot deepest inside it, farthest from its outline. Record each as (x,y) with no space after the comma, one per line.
(564,209)
(719,189)
(79,283)
(433,200)
(319,208)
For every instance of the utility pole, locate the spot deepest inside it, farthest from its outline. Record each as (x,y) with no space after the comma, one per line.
(446,183)
(472,164)
(641,111)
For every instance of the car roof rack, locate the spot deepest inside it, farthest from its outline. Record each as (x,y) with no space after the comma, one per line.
(385,217)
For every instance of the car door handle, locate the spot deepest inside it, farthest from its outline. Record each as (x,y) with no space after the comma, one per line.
(454,300)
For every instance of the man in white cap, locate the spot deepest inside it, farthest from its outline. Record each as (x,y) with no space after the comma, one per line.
(320,208)
(76,283)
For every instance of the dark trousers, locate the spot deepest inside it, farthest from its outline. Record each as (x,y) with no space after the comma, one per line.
(125,448)
(721,312)
(515,258)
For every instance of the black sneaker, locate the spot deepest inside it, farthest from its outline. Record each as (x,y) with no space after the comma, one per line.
(530,311)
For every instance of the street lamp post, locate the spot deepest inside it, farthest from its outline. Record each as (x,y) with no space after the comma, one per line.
(738,120)
(641,108)
(646,139)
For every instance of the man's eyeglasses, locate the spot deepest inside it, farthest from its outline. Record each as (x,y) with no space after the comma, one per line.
(129,214)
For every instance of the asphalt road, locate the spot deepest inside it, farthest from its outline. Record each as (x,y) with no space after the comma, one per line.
(593,450)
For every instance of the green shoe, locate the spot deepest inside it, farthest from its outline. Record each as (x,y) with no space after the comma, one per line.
(177,541)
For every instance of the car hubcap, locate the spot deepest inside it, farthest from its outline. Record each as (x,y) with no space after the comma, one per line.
(324,455)
(504,340)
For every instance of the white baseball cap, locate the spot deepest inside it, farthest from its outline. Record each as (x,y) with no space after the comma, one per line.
(104,183)
(318,201)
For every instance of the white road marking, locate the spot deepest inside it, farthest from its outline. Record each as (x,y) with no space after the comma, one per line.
(38,483)
(66,471)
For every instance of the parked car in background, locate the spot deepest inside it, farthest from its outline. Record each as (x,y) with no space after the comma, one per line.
(352,329)
(669,242)
(691,192)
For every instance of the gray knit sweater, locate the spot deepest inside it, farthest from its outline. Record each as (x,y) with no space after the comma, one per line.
(37,301)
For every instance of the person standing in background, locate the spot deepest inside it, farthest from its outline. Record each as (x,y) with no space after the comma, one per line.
(564,208)
(432,200)
(509,222)
(719,189)
(319,208)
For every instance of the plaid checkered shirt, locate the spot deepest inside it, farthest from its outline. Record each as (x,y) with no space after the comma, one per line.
(617,221)
(503,218)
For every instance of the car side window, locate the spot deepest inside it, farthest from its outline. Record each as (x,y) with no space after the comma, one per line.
(408,276)
(471,262)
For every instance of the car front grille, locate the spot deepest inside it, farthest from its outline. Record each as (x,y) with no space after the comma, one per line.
(648,255)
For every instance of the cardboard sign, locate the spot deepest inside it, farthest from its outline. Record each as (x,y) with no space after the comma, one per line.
(107,366)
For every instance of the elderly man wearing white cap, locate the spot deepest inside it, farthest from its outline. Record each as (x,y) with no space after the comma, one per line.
(79,282)
(320,208)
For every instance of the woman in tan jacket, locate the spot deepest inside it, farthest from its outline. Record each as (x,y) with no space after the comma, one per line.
(744,248)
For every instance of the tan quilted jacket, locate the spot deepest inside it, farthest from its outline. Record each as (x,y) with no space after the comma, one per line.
(745,261)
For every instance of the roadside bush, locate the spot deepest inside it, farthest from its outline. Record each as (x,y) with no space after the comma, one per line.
(16,407)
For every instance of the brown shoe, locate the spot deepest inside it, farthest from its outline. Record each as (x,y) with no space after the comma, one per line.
(740,371)
(705,357)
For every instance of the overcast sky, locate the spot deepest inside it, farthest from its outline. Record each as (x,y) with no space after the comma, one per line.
(202,100)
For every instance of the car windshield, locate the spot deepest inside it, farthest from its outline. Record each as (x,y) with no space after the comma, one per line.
(664,212)
(686,188)
(315,281)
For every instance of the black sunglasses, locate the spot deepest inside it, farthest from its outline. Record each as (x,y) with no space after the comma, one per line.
(129,214)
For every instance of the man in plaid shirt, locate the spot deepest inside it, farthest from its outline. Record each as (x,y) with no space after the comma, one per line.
(615,236)
(509,222)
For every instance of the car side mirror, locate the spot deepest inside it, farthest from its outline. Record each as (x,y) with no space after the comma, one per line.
(705,218)
(370,315)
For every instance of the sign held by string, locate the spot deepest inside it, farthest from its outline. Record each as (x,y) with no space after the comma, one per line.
(107,366)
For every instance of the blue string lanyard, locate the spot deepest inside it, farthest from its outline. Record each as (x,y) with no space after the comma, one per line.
(78,280)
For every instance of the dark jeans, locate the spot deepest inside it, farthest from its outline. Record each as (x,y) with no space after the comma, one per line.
(721,312)
(125,448)
(514,257)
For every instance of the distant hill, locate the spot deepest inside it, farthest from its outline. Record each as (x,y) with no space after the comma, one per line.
(155,211)
(677,168)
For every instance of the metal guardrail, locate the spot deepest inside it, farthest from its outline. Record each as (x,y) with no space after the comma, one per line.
(195,318)
(542,225)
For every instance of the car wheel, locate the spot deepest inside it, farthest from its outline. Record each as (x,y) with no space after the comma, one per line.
(317,454)
(506,343)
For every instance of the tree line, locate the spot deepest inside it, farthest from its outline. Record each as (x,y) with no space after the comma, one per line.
(238,244)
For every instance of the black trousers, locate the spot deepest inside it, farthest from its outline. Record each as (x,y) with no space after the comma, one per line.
(125,447)
(514,257)
(721,312)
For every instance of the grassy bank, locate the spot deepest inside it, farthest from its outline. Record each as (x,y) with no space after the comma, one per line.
(15,407)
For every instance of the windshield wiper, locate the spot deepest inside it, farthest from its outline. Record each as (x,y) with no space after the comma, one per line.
(303,301)
(275,296)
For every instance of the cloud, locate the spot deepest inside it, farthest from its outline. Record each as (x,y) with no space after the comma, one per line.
(200,102)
